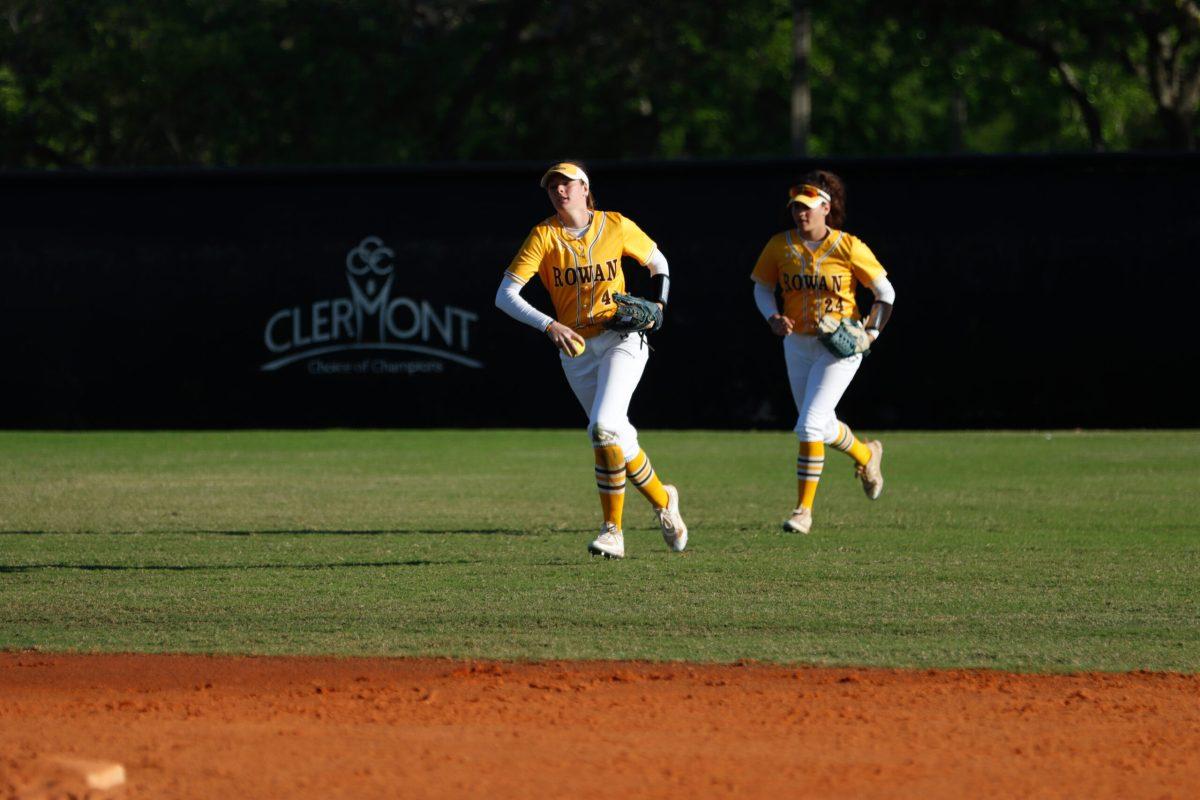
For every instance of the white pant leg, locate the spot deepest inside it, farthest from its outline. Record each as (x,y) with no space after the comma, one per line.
(605,384)
(582,372)
(818,380)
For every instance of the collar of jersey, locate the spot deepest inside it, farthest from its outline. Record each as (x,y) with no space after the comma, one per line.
(818,254)
(570,237)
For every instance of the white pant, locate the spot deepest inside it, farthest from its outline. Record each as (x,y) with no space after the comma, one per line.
(604,379)
(818,379)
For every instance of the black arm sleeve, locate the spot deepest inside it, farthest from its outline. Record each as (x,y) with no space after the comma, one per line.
(662,287)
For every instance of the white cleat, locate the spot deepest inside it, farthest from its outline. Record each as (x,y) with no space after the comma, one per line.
(674,530)
(800,521)
(871,474)
(610,543)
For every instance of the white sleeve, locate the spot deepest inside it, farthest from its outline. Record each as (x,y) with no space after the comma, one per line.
(658,264)
(764,298)
(509,300)
(882,288)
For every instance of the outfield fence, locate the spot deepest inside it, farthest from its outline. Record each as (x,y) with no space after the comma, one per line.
(1031,292)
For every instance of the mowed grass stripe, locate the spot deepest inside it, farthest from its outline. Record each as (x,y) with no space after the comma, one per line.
(1029,551)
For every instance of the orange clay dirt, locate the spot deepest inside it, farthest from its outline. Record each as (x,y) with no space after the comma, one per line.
(221,727)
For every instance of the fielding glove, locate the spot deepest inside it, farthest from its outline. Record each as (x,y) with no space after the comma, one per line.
(843,337)
(634,314)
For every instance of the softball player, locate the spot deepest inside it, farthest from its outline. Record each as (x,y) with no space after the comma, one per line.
(818,267)
(577,254)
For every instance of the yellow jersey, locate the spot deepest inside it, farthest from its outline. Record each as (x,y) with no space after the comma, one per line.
(817,282)
(582,273)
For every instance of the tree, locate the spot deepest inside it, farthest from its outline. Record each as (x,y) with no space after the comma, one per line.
(227,82)
(1156,43)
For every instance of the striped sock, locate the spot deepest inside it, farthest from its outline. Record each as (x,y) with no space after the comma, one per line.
(847,442)
(646,480)
(610,480)
(809,464)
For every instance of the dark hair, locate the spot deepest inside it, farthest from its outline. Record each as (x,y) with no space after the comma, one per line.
(824,179)
(591,198)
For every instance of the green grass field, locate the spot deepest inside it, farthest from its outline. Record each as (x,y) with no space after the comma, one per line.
(1027,551)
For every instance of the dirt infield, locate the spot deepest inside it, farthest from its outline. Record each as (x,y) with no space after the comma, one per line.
(188,726)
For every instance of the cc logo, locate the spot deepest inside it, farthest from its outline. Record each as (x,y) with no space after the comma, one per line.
(370,256)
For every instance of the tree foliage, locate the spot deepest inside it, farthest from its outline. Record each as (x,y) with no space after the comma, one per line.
(225,82)
(1130,68)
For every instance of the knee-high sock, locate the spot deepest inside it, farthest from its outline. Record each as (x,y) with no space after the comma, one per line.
(610,480)
(847,442)
(809,464)
(641,474)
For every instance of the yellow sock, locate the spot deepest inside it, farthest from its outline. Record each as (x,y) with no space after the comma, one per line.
(610,480)
(847,442)
(646,480)
(809,464)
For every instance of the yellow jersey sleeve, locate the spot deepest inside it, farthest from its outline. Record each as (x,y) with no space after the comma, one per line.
(634,241)
(528,259)
(863,263)
(767,269)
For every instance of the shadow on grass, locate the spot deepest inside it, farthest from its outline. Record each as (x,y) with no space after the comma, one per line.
(203,567)
(309,532)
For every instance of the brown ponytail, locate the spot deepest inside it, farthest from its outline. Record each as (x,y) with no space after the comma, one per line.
(831,183)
